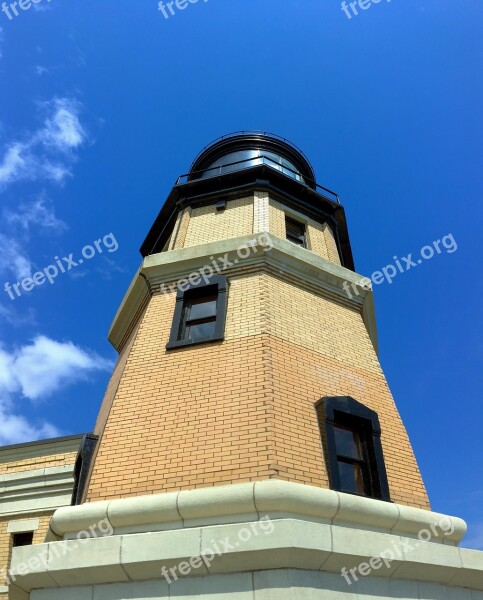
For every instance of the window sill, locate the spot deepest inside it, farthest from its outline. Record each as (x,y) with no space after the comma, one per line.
(172,345)
(362,495)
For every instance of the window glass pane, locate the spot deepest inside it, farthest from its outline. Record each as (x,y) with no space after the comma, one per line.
(351,479)
(23,539)
(200,331)
(347,442)
(295,231)
(294,228)
(201,308)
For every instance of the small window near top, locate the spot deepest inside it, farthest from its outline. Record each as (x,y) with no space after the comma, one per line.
(296,232)
(23,539)
(351,438)
(200,314)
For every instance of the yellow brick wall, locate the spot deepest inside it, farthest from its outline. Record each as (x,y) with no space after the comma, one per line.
(181,229)
(207,224)
(244,216)
(243,409)
(37,462)
(186,418)
(316,241)
(320,348)
(276,219)
(261,220)
(333,254)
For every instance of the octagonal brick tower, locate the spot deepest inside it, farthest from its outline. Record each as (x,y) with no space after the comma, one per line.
(242,406)
(248,446)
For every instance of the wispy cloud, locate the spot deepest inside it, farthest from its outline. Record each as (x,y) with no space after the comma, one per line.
(49,152)
(63,130)
(13,163)
(36,371)
(39,212)
(40,70)
(18,318)
(42,7)
(13,258)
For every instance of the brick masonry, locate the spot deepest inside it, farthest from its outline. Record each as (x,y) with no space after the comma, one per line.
(243,409)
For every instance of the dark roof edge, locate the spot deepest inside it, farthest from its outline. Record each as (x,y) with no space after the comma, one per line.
(56,440)
(260,177)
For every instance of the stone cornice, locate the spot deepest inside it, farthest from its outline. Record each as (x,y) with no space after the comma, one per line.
(29,492)
(311,528)
(248,501)
(286,258)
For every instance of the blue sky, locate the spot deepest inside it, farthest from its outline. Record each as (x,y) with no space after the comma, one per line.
(104,103)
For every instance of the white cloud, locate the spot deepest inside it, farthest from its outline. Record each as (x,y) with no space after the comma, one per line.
(40,70)
(15,429)
(7,382)
(36,371)
(45,366)
(13,259)
(64,130)
(47,153)
(38,212)
(13,165)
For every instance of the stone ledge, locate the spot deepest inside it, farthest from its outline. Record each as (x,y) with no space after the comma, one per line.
(285,256)
(248,501)
(36,490)
(277,544)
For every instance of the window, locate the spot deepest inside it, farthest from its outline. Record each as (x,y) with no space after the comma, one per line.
(23,539)
(82,466)
(200,313)
(351,437)
(295,232)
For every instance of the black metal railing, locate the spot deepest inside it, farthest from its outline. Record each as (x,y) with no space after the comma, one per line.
(257,161)
(268,134)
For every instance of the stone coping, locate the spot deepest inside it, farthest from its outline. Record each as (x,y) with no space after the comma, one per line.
(37,490)
(248,502)
(242,547)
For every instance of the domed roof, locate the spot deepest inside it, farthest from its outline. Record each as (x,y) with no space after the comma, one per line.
(245,149)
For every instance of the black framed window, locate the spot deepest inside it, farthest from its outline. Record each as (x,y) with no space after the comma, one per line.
(296,232)
(82,466)
(25,538)
(351,436)
(200,313)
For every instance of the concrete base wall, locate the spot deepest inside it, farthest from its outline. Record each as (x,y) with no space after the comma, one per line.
(282,584)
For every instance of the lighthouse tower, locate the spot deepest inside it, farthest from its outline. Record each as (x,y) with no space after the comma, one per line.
(248,446)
